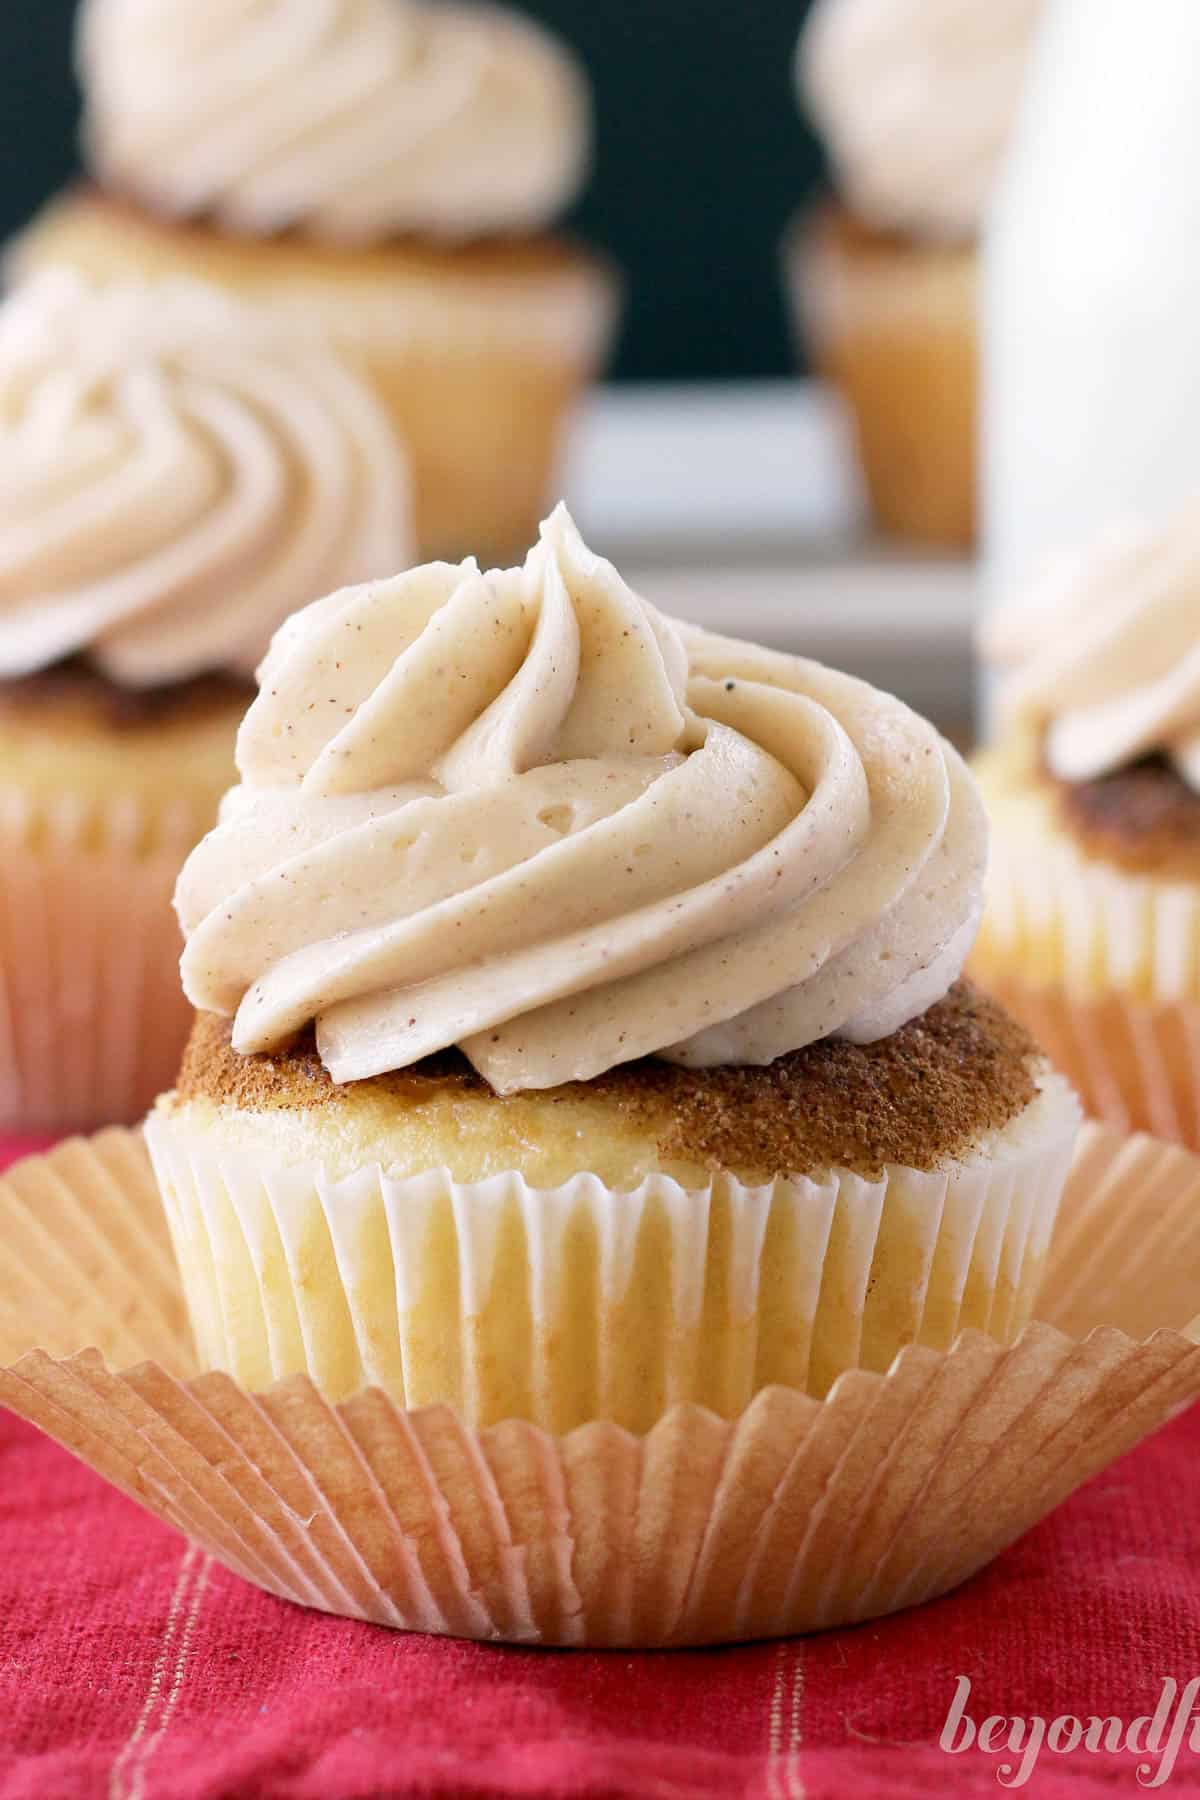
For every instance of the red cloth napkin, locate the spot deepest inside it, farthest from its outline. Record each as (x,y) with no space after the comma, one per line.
(133,1667)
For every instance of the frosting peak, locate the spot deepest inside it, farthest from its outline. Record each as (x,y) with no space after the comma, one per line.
(177,472)
(916,99)
(525,813)
(1104,660)
(352,120)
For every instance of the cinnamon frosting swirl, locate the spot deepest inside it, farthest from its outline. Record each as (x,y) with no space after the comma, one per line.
(177,474)
(525,813)
(351,120)
(916,99)
(1104,659)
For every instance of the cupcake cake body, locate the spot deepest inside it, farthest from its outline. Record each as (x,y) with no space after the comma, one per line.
(180,472)
(1092,930)
(915,100)
(579,1023)
(386,168)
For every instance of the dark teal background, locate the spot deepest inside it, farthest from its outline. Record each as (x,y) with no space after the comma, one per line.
(701,158)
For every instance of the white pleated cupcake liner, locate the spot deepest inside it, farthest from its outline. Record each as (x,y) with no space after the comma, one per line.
(573,1303)
(1103,967)
(1065,919)
(92,1020)
(798,1514)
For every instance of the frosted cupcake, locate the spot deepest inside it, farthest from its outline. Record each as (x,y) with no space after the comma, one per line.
(1092,931)
(580,1028)
(178,474)
(915,99)
(387,168)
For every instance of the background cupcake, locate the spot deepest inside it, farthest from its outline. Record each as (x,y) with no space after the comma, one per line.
(179,472)
(915,99)
(1092,930)
(387,169)
(595,1040)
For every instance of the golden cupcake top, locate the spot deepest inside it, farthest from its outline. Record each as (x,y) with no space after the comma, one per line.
(179,473)
(525,813)
(348,120)
(1103,661)
(916,100)
(938,1088)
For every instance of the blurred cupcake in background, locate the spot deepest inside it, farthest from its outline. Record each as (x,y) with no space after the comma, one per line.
(388,169)
(177,473)
(915,100)
(1092,928)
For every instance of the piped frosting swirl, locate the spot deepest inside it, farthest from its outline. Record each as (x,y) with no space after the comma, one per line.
(1103,660)
(177,474)
(348,120)
(525,813)
(916,99)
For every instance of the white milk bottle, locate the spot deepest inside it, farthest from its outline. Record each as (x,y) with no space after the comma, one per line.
(1091,287)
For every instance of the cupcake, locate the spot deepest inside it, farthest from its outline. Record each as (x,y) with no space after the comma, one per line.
(579,1025)
(915,99)
(1092,928)
(387,169)
(179,472)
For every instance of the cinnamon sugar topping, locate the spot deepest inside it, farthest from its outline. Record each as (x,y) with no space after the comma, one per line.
(927,1093)
(72,694)
(1145,818)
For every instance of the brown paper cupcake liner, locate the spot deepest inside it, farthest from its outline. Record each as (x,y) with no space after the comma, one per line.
(798,1514)
(92,1021)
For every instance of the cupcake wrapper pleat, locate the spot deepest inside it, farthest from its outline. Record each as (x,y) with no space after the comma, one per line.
(1103,967)
(796,1515)
(1061,919)
(575,1303)
(92,1020)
